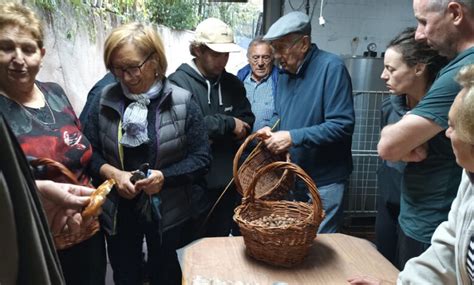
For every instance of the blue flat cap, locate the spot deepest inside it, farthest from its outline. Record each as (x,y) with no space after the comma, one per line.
(294,22)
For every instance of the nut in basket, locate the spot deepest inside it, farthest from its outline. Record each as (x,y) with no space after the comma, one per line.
(266,236)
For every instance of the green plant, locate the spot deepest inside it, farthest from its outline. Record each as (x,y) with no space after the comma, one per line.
(239,16)
(186,14)
(176,14)
(47,5)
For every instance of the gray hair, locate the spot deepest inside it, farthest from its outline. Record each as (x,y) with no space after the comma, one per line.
(258,41)
(464,120)
(440,5)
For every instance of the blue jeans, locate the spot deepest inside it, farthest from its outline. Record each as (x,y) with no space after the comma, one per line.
(332,197)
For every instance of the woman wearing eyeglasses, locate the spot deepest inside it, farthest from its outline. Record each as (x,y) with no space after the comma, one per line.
(145,119)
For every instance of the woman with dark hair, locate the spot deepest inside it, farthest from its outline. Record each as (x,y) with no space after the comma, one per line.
(410,68)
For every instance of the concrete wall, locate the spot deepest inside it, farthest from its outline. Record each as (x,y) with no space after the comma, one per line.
(74,43)
(74,47)
(74,52)
(352,24)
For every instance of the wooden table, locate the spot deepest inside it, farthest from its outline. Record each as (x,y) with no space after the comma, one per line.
(332,259)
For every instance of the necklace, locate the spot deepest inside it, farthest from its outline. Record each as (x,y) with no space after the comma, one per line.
(38,112)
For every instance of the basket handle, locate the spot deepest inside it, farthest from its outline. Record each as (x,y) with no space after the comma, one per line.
(237,156)
(53,164)
(249,195)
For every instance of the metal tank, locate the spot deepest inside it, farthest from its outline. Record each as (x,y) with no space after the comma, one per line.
(365,73)
(368,91)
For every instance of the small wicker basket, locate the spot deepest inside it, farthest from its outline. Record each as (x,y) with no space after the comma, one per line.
(285,245)
(273,185)
(60,173)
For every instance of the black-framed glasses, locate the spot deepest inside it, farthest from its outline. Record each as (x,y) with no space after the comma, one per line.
(133,71)
(266,58)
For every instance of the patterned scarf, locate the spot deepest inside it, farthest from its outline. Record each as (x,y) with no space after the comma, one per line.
(135,117)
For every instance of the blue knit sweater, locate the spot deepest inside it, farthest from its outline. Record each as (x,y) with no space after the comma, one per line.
(316,106)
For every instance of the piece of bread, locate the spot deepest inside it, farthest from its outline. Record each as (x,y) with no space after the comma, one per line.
(98,199)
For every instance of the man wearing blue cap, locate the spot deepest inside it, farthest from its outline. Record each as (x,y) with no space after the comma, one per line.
(315,106)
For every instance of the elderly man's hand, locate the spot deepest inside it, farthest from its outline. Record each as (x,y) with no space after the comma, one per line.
(264,133)
(277,142)
(62,204)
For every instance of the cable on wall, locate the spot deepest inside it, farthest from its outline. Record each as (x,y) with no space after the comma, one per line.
(322,21)
(312,10)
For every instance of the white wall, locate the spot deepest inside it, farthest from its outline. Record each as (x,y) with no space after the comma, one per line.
(74,50)
(371,21)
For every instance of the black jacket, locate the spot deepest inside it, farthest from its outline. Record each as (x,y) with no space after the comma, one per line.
(26,243)
(220,102)
(182,151)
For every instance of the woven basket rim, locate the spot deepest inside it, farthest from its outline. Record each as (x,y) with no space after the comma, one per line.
(237,171)
(249,196)
(65,240)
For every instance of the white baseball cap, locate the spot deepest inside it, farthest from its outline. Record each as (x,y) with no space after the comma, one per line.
(216,35)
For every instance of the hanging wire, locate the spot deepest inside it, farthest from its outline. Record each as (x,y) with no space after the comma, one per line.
(312,10)
(296,9)
(302,3)
(321,10)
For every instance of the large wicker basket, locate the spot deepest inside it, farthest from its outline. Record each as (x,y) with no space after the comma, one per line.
(272,185)
(285,245)
(60,173)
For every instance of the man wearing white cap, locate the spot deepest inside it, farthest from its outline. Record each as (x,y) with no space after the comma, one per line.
(227,114)
(315,106)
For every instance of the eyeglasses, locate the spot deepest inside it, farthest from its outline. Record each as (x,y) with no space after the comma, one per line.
(133,71)
(285,47)
(266,58)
